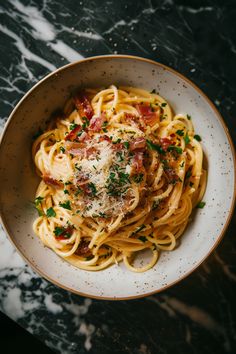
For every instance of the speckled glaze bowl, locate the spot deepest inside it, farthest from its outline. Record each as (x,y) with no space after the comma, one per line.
(18,179)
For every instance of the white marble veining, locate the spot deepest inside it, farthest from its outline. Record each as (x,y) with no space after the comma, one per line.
(37,38)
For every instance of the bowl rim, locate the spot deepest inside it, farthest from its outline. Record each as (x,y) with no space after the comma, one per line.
(230,214)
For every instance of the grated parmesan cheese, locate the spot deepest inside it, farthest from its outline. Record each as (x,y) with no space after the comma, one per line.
(97,169)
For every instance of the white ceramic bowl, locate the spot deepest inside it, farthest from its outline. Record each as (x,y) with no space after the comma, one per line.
(18,179)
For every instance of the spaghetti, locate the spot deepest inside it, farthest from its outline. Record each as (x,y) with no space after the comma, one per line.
(120,174)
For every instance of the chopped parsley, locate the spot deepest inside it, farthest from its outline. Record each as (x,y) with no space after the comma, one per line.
(191,184)
(86,122)
(186,139)
(66,191)
(163,104)
(104,124)
(138,178)
(38,201)
(73,126)
(59,230)
(153,91)
(115,184)
(78,168)
(78,191)
(188,174)
(102,215)
(62,149)
(201,205)
(89,258)
(180,132)
(65,205)
(120,156)
(50,212)
(124,177)
(142,238)
(155,147)
(68,182)
(112,176)
(92,188)
(175,148)
(155,204)
(126,144)
(197,137)
(117,141)
(141,227)
(189,117)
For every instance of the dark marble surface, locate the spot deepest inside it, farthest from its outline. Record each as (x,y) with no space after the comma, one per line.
(198,39)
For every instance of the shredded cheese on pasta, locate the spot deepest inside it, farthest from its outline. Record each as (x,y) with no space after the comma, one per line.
(120,174)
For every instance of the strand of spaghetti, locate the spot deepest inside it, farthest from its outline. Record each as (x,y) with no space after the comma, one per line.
(107,197)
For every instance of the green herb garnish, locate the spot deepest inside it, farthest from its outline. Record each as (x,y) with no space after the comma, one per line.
(188,174)
(141,227)
(155,204)
(175,148)
(78,191)
(142,238)
(138,178)
(65,205)
(73,126)
(89,258)
(180,132)
(188,116)
(197,137)
(117,141)
(38,201)
(201,205)
(50,212)
(62,149)
(86,122)
(155,147)
(59,230)
(186,139)
(126,144)
(92,188)
(163,104)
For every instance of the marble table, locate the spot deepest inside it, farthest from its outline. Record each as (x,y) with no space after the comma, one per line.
(198,39)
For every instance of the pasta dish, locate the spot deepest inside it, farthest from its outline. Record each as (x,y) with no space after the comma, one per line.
(120,176)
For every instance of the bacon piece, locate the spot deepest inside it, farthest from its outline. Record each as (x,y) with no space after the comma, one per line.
(83,249)
(165,143)
(96,123)
(66,233)
(171,175)
(105,138)
(138,144)
(138,161)
(52,182)
(131,116)
(148,116)
(84,137)
(74,148)
(82,180)
(83,105)
(73,134)
(118,146)
(90,151)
